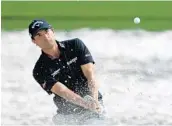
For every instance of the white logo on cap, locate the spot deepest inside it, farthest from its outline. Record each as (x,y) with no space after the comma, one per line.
(37,23)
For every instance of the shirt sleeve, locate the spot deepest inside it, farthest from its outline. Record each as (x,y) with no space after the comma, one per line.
(84,55)
(45,80)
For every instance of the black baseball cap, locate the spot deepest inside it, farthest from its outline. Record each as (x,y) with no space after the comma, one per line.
(36,25)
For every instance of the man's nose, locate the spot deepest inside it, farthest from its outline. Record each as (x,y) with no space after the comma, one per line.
(46,35)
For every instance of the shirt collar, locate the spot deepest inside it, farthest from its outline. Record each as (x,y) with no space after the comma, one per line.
(60,45)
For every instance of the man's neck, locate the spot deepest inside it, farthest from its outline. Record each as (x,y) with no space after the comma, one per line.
(53,52)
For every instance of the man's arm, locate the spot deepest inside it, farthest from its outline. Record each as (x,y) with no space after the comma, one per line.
(89,72)
(86,62)
(51,85)
(61,90)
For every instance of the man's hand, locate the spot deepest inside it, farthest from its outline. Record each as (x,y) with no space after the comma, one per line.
(87,102)
(92,104)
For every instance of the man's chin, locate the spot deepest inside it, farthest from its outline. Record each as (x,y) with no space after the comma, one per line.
(49,47)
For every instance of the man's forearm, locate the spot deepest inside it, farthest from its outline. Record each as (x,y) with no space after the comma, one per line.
(69,95)
(93,86)
(88,70)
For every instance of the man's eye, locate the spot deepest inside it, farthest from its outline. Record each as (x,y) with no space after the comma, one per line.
(46,30)
(38,34)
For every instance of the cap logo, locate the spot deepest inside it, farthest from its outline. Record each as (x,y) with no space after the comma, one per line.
(37,23)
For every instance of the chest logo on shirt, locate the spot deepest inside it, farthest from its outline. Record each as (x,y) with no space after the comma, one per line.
(55,72)
(72,61)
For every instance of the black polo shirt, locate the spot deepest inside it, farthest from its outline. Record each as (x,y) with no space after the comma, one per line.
(65,69)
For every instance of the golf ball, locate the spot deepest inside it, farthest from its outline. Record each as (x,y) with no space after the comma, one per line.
(136,20)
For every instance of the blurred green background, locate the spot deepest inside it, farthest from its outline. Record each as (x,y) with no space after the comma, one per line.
(67,15)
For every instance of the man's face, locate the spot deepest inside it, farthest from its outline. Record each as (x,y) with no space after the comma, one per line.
(44,38)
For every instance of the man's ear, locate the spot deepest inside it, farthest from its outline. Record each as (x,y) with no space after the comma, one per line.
(52,29)
(33,40)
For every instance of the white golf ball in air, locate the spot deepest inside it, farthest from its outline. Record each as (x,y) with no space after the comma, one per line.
(136,20)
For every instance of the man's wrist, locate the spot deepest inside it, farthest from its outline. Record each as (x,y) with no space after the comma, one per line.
(85,104)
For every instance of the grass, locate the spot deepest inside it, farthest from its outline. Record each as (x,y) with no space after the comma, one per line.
(72,15)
